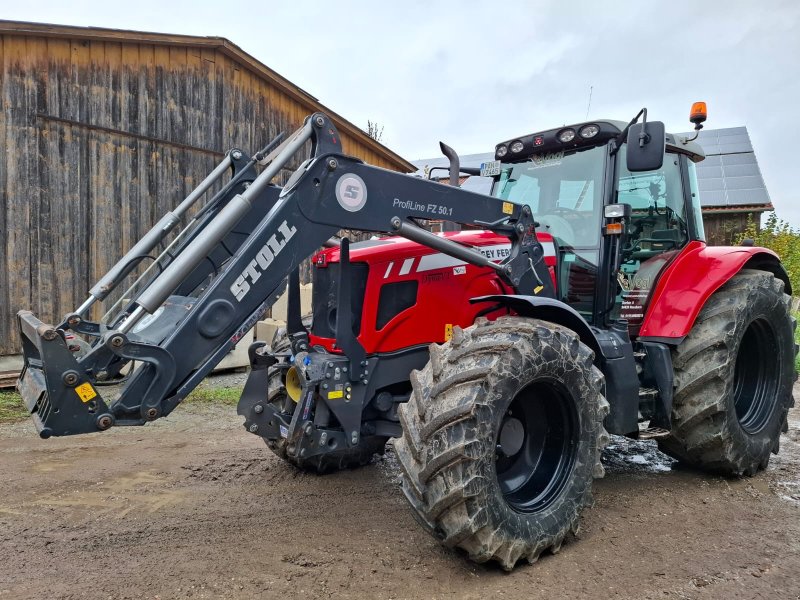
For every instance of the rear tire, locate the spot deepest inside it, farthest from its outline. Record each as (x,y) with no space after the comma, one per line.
(338,460)
(733,376)
(502,438)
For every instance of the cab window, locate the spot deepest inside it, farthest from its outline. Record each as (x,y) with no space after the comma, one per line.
(658,220)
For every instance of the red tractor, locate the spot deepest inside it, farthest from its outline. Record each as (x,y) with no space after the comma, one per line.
(584,301)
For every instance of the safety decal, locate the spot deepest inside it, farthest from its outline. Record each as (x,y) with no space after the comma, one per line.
(508,208)
(460,270)
(448,332)
(85,392)
(334,394)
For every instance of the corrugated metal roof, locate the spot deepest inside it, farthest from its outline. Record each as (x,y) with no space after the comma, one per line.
(729,177)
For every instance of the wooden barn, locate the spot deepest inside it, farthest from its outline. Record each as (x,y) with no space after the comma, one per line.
(105,130)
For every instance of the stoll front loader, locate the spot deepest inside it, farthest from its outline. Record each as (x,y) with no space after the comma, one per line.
(582,300)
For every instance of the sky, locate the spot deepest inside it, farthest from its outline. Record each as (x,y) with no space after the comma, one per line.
(476,73)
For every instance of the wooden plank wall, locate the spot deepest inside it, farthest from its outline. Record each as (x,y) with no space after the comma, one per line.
(97,140)
(725,229)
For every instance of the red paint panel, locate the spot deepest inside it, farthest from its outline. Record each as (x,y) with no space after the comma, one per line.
(445,287)
(686,284)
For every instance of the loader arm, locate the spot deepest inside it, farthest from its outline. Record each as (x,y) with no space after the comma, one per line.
(328,192)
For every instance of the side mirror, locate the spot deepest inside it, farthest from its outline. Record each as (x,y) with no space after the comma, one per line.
(646,145)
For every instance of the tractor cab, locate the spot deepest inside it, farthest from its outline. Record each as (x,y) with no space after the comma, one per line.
(610,208)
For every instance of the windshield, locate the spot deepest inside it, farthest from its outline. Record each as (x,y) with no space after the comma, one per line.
(564,191)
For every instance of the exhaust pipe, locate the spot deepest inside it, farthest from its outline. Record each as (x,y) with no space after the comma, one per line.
(455,166)
(455,163)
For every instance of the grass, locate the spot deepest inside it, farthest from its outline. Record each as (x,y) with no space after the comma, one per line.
(797,341)
(203,394)
(11,407)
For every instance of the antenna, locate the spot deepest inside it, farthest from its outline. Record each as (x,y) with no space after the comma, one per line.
(588,106)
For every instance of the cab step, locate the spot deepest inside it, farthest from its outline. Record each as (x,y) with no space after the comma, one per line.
(652,433)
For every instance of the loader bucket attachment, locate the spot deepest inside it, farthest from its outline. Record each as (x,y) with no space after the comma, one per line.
(60,399)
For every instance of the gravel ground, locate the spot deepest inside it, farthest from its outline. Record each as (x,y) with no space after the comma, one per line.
(192,506)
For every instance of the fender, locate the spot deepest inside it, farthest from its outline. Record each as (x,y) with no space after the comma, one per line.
(612,348)
(690,280)
(551,310)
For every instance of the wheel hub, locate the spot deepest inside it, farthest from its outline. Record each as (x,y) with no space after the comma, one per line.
(512,436)
(537,442)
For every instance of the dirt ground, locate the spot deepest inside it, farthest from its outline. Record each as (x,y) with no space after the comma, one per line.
(195,507)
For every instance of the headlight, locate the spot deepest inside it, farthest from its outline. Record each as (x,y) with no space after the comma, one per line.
(589,131)
(501,151)
(566,136)
(516,147)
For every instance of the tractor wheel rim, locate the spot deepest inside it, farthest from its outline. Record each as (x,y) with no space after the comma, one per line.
(756,376)
(536,443)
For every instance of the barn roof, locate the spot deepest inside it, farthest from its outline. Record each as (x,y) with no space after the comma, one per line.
(219,44)
(729,178)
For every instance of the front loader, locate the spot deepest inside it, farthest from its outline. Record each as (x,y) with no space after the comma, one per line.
(582,300)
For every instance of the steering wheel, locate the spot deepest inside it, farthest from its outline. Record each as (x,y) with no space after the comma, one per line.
(565,211)
(558,227)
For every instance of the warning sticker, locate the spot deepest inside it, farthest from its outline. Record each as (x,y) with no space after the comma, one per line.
(85,392)
(508,208)
(448,332)
(332,395)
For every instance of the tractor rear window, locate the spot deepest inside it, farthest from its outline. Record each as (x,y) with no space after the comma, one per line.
(395,298)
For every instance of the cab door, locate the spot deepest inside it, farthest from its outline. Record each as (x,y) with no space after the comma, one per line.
(659,227)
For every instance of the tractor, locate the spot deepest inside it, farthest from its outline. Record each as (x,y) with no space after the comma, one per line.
(580,300)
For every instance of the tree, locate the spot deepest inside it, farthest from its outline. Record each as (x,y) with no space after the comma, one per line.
(374,130)
(778,236)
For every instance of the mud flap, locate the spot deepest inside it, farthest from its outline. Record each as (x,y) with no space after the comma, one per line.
(60,397)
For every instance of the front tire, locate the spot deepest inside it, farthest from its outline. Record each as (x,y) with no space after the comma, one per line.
(502,438)
(733,375)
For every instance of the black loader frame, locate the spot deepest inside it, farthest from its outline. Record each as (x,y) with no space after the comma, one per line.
(242,248)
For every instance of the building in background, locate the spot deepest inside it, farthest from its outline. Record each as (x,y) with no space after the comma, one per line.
(104,131)
(732,190)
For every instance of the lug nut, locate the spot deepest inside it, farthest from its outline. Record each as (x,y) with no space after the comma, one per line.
(253,428)
(258,409)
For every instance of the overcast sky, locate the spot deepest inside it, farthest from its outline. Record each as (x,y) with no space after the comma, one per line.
(475,73)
